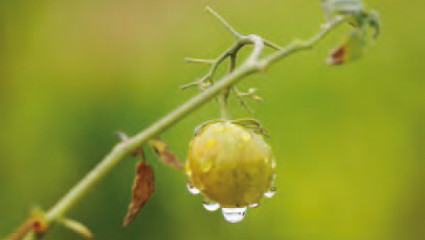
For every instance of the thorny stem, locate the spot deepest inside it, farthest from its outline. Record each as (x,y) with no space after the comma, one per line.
(242,101)
(272,45)
(224,22)
(197,60)
(223,97)
(251,65)
(215,63)
(299,45)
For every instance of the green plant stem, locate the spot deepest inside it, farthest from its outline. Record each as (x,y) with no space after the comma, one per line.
(215,63)
(251,65)
(299,45)
(125,148)
(222,103)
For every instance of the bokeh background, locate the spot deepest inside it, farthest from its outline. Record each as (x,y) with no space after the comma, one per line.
(349,140)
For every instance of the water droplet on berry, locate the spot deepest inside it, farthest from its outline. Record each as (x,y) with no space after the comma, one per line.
(211,206)
(234,215)
(254,205)
(192,189)
(273,163)
(270,192)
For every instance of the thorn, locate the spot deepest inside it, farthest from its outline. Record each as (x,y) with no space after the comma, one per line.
(257,98)
(198,60)
(251,91)
(242,101)
(76,227)
(124,137)
(272,45)
(204,85)
(224,22)
(186,86)
(121,135)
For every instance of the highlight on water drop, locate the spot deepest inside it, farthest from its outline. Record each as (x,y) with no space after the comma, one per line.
(270,192)
(192,189)
(211,206)
(254,205)
(234,215)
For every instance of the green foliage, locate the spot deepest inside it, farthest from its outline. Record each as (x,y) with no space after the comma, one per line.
(362,21)
(333,7)
(348,141)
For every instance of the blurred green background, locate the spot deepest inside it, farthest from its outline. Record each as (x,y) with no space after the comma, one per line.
(349,140)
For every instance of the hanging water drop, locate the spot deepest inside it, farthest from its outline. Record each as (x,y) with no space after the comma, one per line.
(192,189)
(270,192)
(234,215)
(254,205)
(211,206)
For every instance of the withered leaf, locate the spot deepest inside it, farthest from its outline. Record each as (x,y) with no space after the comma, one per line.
(349,50)
(143,187)
(164,154)
(337,56)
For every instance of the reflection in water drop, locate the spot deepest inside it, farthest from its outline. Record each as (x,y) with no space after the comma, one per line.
(234,215)
(270,192)
(211,206)
(273,163)
(192,189)
(254,205)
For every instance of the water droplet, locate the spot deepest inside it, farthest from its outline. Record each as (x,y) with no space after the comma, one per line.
(234,215)
(273,164)
(254,205)
(211,206)
(192,189)
(270,192)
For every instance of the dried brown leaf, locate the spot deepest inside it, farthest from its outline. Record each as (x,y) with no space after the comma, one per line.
(337,56)
(165,155)
(349,50)
(143,187)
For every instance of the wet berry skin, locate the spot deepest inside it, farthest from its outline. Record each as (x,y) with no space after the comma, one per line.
(230,164)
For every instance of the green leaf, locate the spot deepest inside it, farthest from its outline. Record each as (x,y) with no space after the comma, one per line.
(338,7)
(374,23)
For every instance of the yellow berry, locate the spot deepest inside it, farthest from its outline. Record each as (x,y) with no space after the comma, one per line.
(230,164)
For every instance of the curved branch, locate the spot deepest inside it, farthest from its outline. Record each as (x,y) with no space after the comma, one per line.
(252,64)
(125,148)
